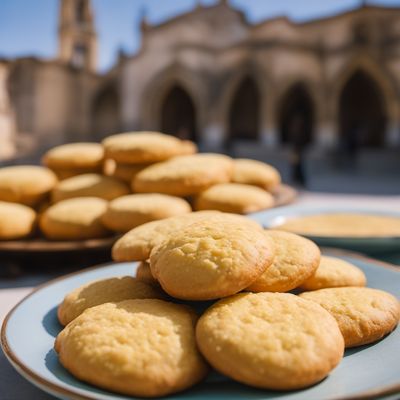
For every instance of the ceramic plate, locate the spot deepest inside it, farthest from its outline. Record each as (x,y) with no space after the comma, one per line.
(29,330)
(370,245)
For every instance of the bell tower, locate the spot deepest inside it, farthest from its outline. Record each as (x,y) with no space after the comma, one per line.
(77,38)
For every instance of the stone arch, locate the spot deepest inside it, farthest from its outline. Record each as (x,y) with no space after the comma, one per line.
(155,93)
(178,114)
(383,82)
(296,115)
(105,111)
(237,77)
(245,111)
(362,112)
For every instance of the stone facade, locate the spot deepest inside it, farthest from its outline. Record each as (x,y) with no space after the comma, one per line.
(211,76)
(253,82)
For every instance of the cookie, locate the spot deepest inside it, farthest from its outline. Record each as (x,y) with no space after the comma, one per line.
(89,185)
(234,198)
(185,175)
(364,315)
(272,341)
(75,156)
(296,259)
(334,272)
(74,219)
(128,212)
(210,259)
(257,173)
(26,184)
(16,221)
(143,273)
(141,347)
(189,147)
(123,172)
(137,244)
(344,225)
(103,291)
(143,147)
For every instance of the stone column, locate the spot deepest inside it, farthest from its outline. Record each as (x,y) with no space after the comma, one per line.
(392,135)
(7,118)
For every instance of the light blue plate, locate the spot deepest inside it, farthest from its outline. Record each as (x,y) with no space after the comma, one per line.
(371,245)
(29,330)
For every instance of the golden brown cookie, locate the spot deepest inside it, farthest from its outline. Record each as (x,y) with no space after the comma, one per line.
(75,156)
(143,273)
(270,340)
(296,259)
(257,173)
(210,259)
(343,225)
(364,315)
(185,175)
(334,272)
(137,244)
(123,172)
(234,198)
(16,221)
(89,185)
(142,347)
(143,147)
(26,184)
(128,212)
(103,291)
(74,219)
(189,147)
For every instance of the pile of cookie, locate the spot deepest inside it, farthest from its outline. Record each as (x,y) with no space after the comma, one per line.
(211,291)
(84,190)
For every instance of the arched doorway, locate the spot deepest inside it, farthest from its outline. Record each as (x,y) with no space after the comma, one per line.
(296,117)
(244,113)
(362,115)
(178,114)
(106,108)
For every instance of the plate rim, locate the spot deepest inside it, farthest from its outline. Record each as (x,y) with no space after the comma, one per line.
(54,389)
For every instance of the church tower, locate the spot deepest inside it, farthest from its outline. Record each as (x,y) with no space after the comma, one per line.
(77,38)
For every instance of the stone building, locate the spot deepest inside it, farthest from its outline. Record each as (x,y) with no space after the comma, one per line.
(53,99)
(211,76)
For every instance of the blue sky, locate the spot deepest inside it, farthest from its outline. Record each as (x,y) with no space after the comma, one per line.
(29,27)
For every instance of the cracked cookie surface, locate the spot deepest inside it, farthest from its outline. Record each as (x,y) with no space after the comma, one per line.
(334,272)
(141,347)
(211,258)
(296,259)
(364,315)
(270,340)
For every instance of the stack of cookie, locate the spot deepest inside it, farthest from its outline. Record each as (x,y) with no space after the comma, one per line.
(129,153)
(84,190)
(134,335)
(212,182)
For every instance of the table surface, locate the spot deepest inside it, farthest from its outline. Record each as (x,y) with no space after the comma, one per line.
(14,387)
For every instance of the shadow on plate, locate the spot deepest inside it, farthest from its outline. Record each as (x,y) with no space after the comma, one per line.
(217,384)
(50,322)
